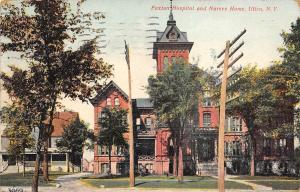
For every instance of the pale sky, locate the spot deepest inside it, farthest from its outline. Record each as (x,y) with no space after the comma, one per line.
(129,20)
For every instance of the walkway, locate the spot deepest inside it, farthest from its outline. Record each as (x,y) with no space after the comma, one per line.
(254,186)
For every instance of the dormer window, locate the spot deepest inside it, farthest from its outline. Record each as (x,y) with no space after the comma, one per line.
(117,101)
(173,35)
(108,101)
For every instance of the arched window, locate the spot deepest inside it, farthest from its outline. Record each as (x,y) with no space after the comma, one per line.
(108,101)
(181,60)
(117,101)
(173,60)
(166,62)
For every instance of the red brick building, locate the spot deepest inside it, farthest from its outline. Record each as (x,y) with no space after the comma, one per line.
(152,143)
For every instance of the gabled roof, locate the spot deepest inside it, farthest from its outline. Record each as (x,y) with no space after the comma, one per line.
(102,93)
(61,120)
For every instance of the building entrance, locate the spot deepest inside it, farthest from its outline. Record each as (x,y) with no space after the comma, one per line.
(206,149)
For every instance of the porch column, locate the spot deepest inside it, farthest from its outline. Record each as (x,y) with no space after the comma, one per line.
(51,162)
(67,162)
(196,157)
(216,150)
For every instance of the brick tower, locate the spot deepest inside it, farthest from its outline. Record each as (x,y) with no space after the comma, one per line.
(171,46)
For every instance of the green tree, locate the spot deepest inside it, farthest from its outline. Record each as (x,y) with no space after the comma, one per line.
(74,138)
(250,104)
(268,97)
(113,122)
(43,32)
(18,131)
(175,94)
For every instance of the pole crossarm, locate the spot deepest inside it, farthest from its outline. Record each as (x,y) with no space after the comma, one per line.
(235,72)
(232,42)
(235,50)
(235,60)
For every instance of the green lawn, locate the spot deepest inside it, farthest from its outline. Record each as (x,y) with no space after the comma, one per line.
(164,182)
(17,179)
(280,185)
(247,177)
(276,182)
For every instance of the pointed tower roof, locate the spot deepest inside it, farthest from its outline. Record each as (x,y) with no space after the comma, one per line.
(171,20)
(171,36)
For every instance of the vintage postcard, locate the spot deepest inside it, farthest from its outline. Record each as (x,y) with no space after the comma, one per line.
(162,95)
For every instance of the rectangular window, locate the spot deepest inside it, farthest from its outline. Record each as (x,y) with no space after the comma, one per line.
(58,157)
(267,146)
(233,124)
(226,124)
(108,101)
(237,124)
(206,119)
(281,147)
(102,150)
(149,167)
(226,149)
(138,123)
(104,168)
(148,122)
(207,102)
(119,150)
(121,168)
(237,148)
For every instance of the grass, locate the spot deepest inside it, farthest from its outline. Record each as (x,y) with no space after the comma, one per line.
(249,178)
(17,179)
(280,185)
(276,182)
(192,182)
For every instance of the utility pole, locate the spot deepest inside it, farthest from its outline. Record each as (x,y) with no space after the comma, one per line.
(221,155)
(131,137)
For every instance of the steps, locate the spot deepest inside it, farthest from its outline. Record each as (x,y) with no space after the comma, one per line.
(207,169)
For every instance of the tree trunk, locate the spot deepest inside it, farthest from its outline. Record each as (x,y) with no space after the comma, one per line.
(109,160)
(35,178)
(45,161)
(17,162)
(175,158)
(252,157)
(24,162)
(180,163)
(47,134)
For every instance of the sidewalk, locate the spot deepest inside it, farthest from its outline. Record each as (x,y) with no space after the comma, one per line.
(72,183)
